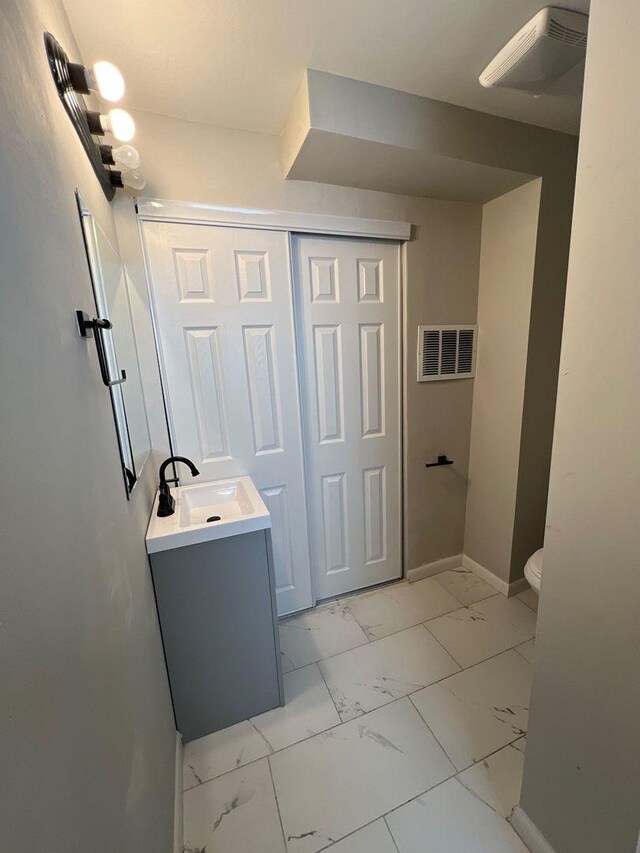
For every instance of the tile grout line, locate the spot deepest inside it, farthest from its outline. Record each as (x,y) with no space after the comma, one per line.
(431,634)
(474,763)
(275,797)
(490,754)
(477,663)
(350,834)
(517,649)
(384,814)
(428,727)
(448,779)
(393,838)
(329,692)
(484,660)
(411,799)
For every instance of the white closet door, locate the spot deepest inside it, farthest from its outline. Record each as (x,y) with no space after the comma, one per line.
(224,316)
(348,296)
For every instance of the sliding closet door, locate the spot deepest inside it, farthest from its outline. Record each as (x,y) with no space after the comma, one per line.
(224,316)
(348,296)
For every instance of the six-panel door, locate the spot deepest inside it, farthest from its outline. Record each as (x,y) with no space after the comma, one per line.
(224,316)
(348,308)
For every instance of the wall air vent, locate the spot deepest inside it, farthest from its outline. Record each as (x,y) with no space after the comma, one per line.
(446,352)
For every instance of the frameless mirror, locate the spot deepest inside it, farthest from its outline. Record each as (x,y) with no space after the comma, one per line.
(118,344)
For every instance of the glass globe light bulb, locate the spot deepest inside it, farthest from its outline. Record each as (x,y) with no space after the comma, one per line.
(134,179)
(108,81)
(121,125)
(126,156)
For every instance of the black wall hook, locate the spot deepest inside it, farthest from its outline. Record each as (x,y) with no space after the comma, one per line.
(442,460)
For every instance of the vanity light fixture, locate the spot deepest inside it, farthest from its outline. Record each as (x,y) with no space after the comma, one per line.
(73,80)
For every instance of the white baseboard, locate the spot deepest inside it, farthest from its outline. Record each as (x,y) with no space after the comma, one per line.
(434,568)
(178,829)
(457,560)
(502,586)
(529,832)
(518,586)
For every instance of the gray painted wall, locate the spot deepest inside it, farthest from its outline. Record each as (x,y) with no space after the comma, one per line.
(507,261)
(582,765)
(86,733)
(241,169)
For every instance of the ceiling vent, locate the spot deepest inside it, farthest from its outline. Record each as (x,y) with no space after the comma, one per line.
(544,50)
(446,352)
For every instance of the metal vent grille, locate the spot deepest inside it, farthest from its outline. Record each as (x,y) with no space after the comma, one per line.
(560,32)
(446,352)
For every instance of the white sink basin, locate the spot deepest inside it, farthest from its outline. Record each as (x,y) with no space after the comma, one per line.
(208,511)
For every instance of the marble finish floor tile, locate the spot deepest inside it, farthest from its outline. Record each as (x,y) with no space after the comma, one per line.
(308,709)
(527,650)
(450,819)
(341,780)
(374,838)
(465,585)
(373,675)
(530,598)
(220,752)
(496,780)
(486,628)
(400,606)
(479,710)
(317,635)
(236,813)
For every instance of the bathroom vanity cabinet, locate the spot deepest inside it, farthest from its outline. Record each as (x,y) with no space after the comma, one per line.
(217,609)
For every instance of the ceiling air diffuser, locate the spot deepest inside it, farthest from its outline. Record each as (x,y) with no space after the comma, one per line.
(544,50)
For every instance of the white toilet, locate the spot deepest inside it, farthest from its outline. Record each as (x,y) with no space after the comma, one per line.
(533,570)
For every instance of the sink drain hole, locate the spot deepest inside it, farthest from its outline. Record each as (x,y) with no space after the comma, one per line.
(213,518)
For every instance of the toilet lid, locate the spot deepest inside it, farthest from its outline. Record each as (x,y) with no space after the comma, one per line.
(535,563)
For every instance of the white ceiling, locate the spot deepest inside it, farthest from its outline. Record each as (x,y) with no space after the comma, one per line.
(238,63)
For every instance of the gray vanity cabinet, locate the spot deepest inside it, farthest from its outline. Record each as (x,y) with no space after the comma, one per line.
(216,602)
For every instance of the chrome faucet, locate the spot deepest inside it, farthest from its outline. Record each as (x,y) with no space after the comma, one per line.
(166,502)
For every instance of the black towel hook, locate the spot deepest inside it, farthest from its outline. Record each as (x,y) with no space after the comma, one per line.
(442,460)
